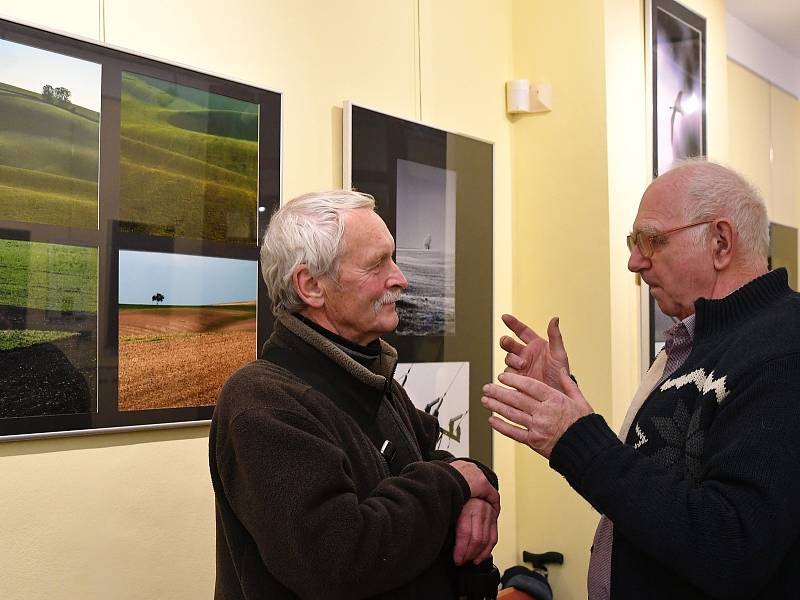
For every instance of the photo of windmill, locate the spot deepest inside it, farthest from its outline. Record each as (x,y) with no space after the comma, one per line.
(189,162)
(48,329)
(426,248)
(441,390)
(177,346)
(49,138)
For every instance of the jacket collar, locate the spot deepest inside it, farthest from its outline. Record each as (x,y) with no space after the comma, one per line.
(714,316)
(376,375)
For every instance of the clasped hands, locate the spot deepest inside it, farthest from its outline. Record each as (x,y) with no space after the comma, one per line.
(476,527)
(538,400)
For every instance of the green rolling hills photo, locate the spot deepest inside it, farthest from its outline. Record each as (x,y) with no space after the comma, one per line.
(48,160)
(189,162)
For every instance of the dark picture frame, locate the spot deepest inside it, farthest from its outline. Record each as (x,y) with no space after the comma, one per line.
(409,166)
(677,50)
(188,171)
(783,250)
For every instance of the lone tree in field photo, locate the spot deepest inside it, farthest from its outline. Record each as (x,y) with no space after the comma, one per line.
(158,297)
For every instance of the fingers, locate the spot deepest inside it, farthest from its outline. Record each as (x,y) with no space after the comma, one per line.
(522,391)
(554,332)
(511,345)
(476,532)
(556,341)
(479,486)
(520,329)
(515,415)
(461,550)
(518,434)
(492,536)
(493,498)
(516,363)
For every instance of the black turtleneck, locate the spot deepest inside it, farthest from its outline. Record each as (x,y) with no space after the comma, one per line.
(704,495)
(363,354)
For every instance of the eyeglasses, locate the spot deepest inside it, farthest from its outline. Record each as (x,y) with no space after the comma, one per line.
(648,241)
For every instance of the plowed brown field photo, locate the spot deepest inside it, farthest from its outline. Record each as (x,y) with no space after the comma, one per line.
(175,356)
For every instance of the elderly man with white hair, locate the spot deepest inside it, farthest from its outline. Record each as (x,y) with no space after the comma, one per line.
(701,492)
(326,477)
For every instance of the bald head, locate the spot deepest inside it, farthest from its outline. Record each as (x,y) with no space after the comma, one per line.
(711,191)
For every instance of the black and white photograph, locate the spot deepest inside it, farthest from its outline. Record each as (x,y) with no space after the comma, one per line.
(426,248)
(679,90)
(441,390)
(434,189)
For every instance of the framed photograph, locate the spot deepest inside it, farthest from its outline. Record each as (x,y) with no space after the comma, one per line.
(48,329)
(442,390)
(677,51)
(185,328)
(783,250)
(132,199)
(49,145)
(434,190)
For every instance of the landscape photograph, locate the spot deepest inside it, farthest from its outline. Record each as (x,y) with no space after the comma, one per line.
(48,329)
(189,162)
(186,323)
(426,248)
(49,139)
(441,389)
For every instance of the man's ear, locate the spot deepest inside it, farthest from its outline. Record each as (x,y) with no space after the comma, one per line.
(308,288)
(723,238)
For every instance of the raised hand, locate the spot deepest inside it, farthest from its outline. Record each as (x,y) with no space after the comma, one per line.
(536,357)
(538,413)
(476,532)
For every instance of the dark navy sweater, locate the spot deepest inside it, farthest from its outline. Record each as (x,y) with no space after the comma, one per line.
(705,493)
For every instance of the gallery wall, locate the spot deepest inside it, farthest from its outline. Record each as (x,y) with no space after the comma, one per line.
(765,140)
(561,237)
(131,515)
(578,175)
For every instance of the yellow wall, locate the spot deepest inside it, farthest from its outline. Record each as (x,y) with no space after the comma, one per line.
(561,238)
(578,173)
(784,191)
(131,515)
(764,126)
(749,107)
(628,125)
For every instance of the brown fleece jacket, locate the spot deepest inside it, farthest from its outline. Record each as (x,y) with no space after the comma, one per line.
(306,505)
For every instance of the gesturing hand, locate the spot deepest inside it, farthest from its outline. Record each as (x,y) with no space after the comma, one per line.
(541,412)
(476,532)
(535,357)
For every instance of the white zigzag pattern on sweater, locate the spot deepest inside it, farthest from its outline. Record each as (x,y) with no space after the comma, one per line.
(704,384)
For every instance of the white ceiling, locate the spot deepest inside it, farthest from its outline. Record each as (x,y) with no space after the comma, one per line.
(777,20)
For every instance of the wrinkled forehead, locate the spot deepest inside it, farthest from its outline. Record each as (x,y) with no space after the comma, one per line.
(365,232)
(662,205)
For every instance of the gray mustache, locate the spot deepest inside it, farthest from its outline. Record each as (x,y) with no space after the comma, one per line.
(388,298)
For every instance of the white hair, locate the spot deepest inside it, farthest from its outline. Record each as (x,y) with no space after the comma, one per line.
(713,191)
(307,230)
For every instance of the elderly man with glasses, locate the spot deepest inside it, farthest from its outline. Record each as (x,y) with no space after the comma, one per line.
(700,493)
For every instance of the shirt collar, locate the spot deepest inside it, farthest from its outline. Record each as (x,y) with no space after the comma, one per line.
(679,335)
